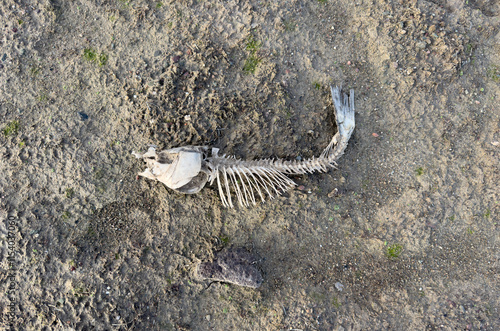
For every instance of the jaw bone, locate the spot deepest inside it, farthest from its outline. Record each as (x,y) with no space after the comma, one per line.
(188,169)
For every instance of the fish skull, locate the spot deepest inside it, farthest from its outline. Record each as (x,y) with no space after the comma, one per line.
(181,169)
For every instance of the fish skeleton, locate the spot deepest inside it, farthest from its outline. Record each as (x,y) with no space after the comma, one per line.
(188,169)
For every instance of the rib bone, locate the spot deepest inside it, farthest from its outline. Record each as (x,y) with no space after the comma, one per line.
(188,169)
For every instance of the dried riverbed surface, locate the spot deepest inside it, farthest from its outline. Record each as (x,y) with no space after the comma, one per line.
(404,235)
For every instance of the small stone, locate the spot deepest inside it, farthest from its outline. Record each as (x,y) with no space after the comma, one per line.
(158,53)
(420,45)
(301,188)
(83,116)
(333,193)
(176,58)
(4,57)
(207,318)
(187,118)
(339,286)
(402,31)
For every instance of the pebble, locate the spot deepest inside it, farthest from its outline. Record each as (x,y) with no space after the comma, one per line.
(158,53)
(421,44)
(339,286)
(176,58)
(83,116)
(4,57)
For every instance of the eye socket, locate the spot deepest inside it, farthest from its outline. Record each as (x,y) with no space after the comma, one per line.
(165,158)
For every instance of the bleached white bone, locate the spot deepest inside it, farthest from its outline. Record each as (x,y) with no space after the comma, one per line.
(188,169)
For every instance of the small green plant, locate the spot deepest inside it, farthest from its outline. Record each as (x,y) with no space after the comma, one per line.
(419,171)
(336,303)
(22,143)
(103,59)
(493,72)
(252,44)
(43,97)
(20,22)
(251,64)
(35,71)
(91,232)
(394,251)
(469,48)
(488,213)
(66,215)
(80,291)
(70,192)
(125,3)
(11,129)
(317,85)
(225,240)
(252,60)
(323,1)
(158,5)
(91,55)
(289,25)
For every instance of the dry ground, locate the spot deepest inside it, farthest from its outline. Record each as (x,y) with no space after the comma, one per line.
(411,233)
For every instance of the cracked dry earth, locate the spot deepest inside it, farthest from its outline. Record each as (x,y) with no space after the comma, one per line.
(403,236)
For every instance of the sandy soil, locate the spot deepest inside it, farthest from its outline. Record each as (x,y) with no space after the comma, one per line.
(408,241)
